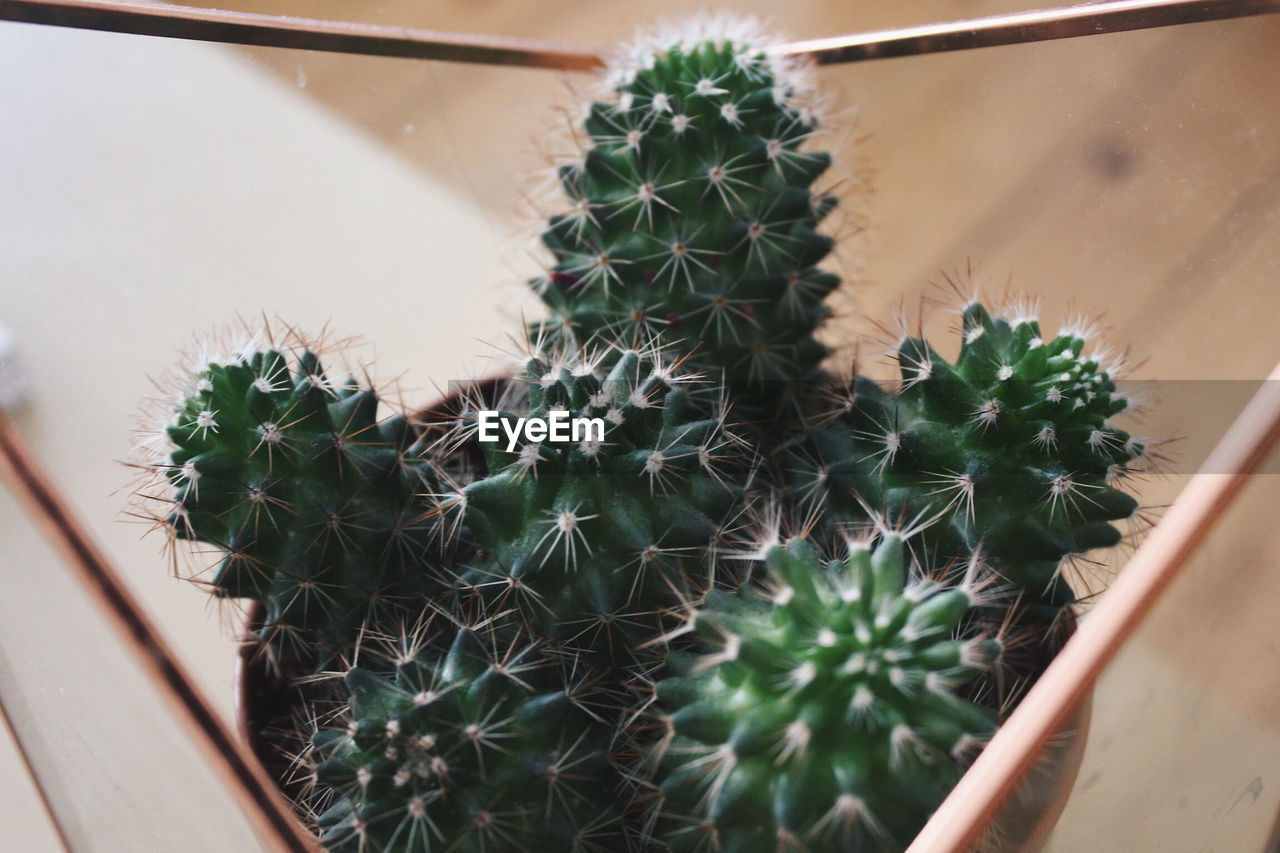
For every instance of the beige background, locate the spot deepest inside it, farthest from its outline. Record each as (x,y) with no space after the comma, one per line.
(151,190)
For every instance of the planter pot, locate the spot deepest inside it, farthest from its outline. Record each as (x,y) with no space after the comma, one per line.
(1029,815)
(263,703)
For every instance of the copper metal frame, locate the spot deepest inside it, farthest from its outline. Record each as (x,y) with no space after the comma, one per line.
(259,798)
(154,19)
(7,727)
(1090,19)
(184,22)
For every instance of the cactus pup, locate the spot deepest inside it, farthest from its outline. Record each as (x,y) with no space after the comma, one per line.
(470,744)
(1015,446)
(314,501)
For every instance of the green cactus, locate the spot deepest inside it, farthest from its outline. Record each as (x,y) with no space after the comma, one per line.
(316,504)
(589,539)
(475,748)
(1013,445)
(831,708)
(691,219)
(824,715)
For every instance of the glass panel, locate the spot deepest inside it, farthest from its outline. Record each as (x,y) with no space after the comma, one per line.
(118,770)
(155,190)
(1184,740)
(27,826)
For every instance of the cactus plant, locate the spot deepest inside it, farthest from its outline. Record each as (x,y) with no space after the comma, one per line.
(823,715)
(316,504)
(1014,446)
(830,709)
(691,216)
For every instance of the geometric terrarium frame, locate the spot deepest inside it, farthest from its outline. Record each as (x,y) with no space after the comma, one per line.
(1184,527)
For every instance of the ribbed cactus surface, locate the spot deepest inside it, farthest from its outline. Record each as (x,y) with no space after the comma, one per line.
(692,218)
(314,502)
(477,747)
(1014,445)
(588,539)
(823,714)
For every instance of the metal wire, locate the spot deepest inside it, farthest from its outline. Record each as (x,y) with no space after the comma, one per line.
(184,22)
(1090,19)
(126,16)
(265,807)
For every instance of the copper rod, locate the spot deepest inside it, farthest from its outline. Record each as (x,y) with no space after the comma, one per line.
(1014,749)
(41,785)
(184,22)
(262,803)
(155,19)
(1023,27)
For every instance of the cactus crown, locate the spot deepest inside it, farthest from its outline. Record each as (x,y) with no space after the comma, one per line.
(691,218)
(825,715)
(1014,445)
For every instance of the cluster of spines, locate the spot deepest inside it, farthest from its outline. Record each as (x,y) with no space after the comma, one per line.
(315,501)
(472,744)
(691,218)
(572,554)
(823,713)
(1014,447)
(589,541)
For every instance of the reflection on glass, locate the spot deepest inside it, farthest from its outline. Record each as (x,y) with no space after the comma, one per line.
(1184,740)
